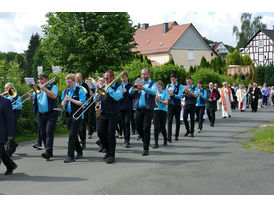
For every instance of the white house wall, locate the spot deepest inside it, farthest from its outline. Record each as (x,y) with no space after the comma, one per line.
(161,58)
(260,49)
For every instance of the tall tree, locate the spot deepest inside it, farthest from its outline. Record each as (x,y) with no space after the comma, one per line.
(88,41)
(33,45)
(248,28)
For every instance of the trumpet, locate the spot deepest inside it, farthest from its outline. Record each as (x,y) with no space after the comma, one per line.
(11,92)
(97,109)
(138,82)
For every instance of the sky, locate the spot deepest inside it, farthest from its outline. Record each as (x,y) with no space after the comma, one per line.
(17,27)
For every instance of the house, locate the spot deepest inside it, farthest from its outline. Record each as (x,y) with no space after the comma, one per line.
(260,47)
(219,48)
(181,42)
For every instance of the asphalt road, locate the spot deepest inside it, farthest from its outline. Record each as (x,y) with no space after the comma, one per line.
(213,162)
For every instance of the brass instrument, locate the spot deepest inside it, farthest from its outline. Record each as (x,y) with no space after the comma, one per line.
(97,109)
(157,97)
(138,82)
(36,88)
(102,92)
(11,92)
(83,88)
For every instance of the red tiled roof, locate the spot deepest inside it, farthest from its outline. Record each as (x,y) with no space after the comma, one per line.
(153,40)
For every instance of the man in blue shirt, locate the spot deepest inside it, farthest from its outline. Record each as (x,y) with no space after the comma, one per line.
(174,105)
(107,122)
(144,101)
(72,99)
(189,108)
(46,104)
(16,107)
(200,103)
(83,128)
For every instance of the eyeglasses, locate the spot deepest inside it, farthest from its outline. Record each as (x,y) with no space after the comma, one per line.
(40,78)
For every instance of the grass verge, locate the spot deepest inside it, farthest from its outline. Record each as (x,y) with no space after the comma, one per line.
(262,139)
(32,136)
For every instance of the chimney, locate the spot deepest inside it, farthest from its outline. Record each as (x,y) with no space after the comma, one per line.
(144,26)
(165,28)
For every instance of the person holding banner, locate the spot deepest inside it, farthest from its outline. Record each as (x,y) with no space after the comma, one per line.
(16,108)
(225,100)
(46,104)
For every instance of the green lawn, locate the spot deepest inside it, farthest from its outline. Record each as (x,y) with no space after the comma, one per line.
(262,139)
(33,136)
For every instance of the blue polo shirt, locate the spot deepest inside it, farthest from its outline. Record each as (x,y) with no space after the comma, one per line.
(203,96)
(18,104)
(42,99)
(164,95)
(152,90)
(82,96)
(180,93)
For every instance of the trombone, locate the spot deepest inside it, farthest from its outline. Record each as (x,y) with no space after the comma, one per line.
(36,88)
(102,92)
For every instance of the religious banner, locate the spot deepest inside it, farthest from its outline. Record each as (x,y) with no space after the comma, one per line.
(56,69)
(39,70)
(30,80)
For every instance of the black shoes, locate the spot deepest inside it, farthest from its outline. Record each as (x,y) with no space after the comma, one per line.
(36,146)
(176,139)
(186,134)
(79,155)
(169,139)
(10,170)
(126,145)
(69,159)
(110,160)
(155,146)
(84,145)
(192,134)
(165,144)
(145,153)
(106,156)
(212,125)
(46,155)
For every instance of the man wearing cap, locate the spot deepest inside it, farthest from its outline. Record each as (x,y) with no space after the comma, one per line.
(46,104)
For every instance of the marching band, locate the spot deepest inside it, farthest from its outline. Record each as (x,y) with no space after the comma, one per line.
(100,103)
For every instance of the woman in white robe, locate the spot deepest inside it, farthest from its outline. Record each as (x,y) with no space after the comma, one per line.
(241,97)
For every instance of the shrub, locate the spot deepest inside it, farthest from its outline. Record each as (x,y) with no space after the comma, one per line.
(207,76)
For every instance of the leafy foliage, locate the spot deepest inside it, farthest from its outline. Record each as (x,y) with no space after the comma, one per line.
(265,74)
(88,41)
(248,29)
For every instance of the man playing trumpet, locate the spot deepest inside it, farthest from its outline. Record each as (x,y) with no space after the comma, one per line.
(144,101)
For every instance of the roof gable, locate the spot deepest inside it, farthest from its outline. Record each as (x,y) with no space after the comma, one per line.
(269,33)
(153,40)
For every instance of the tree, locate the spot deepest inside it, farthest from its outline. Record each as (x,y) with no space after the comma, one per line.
(33,44)
(248,29)
(233,58)
(204,63)
(88,41)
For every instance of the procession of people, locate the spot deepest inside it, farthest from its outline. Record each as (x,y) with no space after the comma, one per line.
(100,105)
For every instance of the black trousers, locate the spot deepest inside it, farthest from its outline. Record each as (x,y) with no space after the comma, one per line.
(211,115)
(83,129)
(200,117)
(91,119)
(143,121)
(133,120)
(107,125)
(125,124)
(11,145)
(189,109)
(47,124)
(8,162)
(119,124)
(254,105)
(173,110)
(159,121)
(73,143)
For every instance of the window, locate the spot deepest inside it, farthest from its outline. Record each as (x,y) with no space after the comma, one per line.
(261,43)
(190,55)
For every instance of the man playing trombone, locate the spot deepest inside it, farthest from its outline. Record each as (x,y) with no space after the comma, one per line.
(83,129)
(110,108)
(73,99)
(16,108)
(45,102)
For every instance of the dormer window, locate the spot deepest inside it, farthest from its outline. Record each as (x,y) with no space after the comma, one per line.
(161,43)
(148,41)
